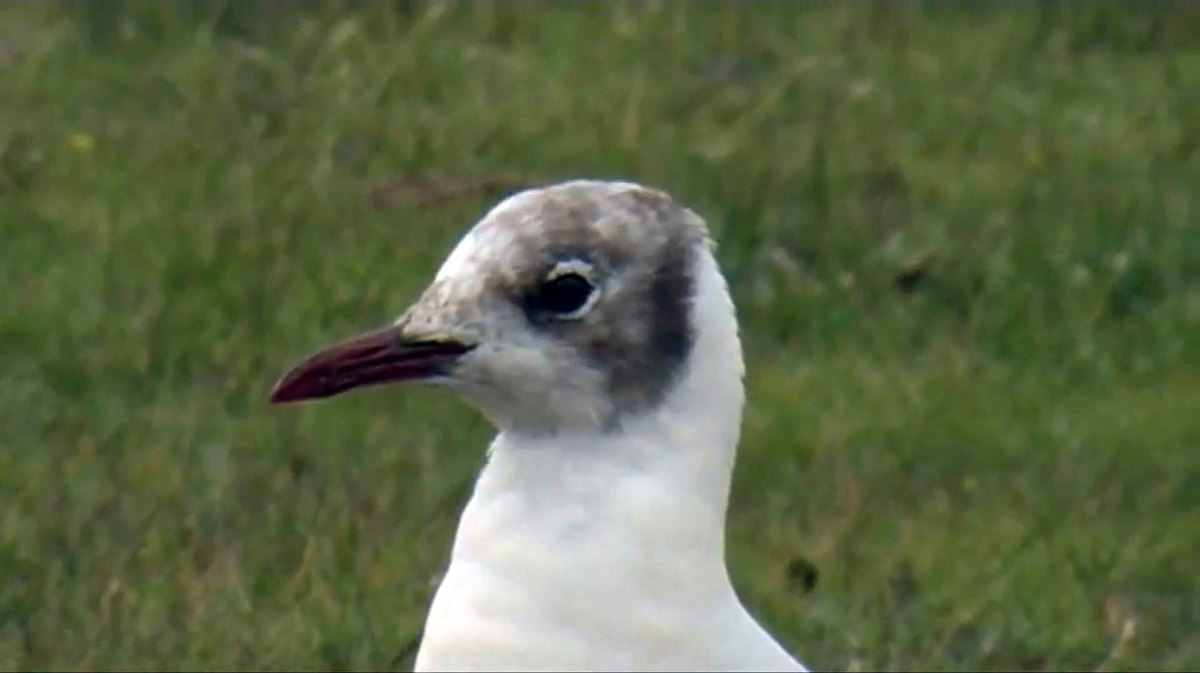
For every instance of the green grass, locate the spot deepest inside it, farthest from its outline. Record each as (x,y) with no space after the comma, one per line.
(964,243)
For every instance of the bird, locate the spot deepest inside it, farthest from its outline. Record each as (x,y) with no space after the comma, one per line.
(590,323)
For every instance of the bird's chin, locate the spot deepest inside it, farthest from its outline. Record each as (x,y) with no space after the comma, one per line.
(529,411)
(382,356)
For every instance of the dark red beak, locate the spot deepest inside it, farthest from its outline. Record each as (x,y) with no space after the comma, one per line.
(382,356)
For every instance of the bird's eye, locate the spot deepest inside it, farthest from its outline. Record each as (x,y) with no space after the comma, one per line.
(564,294)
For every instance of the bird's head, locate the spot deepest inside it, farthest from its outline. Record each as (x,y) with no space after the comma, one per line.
(569,307)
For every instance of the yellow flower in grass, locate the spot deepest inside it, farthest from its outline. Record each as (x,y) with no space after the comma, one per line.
(81,142)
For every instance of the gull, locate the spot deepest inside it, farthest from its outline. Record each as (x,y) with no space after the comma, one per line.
(590,323)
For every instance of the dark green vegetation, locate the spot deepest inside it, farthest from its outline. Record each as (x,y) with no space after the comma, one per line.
(964,244)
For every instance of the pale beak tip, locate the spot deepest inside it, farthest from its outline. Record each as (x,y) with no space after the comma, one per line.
(284,392)
(300,384)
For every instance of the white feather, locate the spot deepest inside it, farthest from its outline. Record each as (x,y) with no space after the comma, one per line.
(604,550)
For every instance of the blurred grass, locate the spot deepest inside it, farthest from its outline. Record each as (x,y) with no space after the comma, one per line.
(963,241)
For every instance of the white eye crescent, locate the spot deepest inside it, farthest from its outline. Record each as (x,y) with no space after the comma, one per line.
(568,291)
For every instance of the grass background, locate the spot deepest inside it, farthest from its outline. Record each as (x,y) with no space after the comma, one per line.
(963,240)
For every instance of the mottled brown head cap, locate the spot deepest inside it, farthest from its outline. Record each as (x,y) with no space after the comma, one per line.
(636,248)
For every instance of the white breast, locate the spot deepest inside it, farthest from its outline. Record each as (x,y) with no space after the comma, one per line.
(606,552)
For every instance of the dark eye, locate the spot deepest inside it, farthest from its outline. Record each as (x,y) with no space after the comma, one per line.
(563,294)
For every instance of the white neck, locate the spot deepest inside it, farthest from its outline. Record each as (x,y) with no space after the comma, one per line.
(606,550)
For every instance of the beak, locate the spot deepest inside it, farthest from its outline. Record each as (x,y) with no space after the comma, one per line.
(382,356)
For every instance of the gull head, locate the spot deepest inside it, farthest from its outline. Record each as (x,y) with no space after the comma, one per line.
(569,308)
